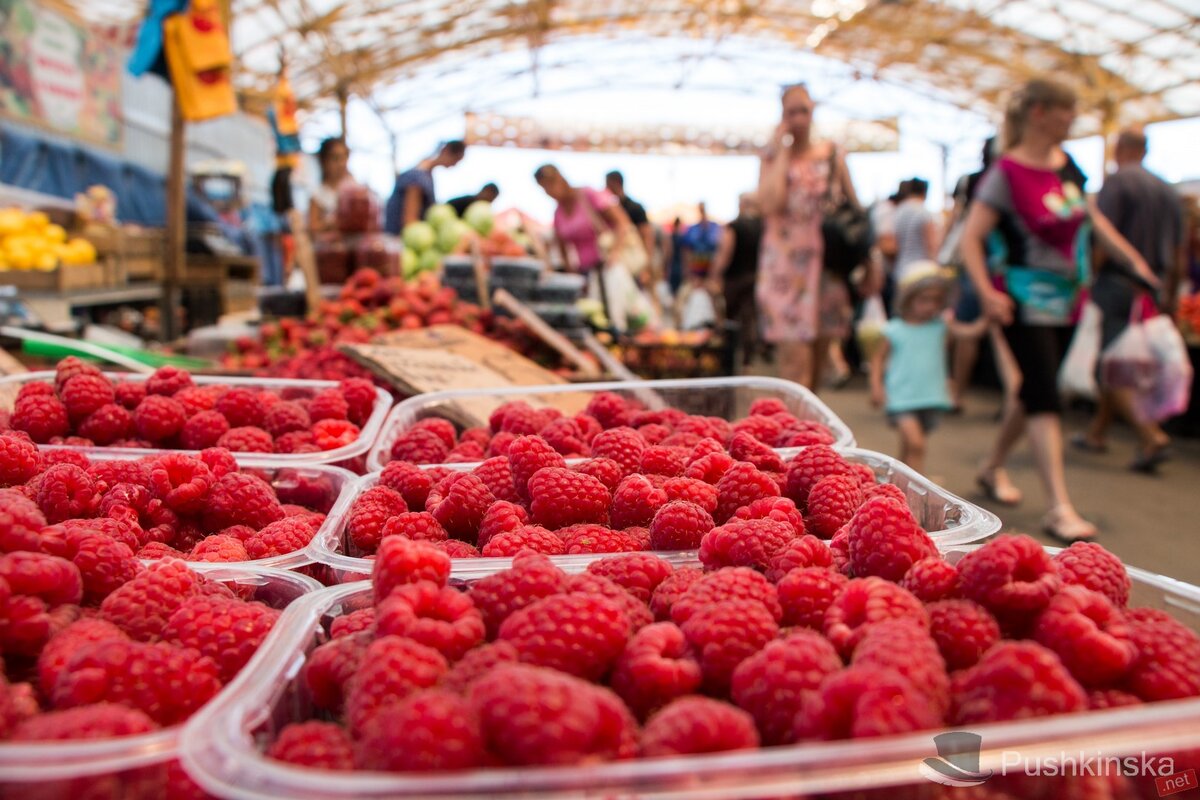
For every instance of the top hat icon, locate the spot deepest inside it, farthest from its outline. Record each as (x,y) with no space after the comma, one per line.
(957,763)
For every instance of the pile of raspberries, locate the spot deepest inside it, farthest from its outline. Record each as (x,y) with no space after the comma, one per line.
(104,515)
(738,505)
(633,658)
(169,411)
(98,647)
(436,441)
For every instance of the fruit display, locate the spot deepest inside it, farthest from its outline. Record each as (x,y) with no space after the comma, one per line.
(786,646)
(1189,318)
(81,406)
(678,354)
(29,241)
(428,241)
(105,514)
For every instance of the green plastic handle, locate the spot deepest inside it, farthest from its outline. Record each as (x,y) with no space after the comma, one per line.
(151,359)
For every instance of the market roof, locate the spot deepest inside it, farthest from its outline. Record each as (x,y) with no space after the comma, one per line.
(1130,61)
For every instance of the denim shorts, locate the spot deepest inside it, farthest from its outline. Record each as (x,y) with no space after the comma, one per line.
(927,418)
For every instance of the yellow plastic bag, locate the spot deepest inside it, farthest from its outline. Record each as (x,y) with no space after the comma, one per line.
(199,57)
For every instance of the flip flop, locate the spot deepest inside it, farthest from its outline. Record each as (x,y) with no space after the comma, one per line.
(992,492)
(1147,463)
(1078,531)
(1080,442)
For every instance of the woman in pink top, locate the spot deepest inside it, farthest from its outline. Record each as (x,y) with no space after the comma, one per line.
(582,215)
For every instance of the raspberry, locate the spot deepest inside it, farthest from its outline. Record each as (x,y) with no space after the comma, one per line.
(499,444)
(622,445)
(53,458)
(195,399)
(693,491)
(107,424)
(741,485)
(534,716)
(726,633)
(99,721)
(805,594)
(372,509)
(709,468)
(168,381)
(656,667)
(297,442)
(744,543)
(497,476)
(779,509)
(41,416)
(1168,661)
(286,417)
(242,407)
(55,581)
(412,482)
(803,433)
(529,537)
(154,551)
(501,517)
(658,460)
(832,502)
(219,549)
(516,418)
(932,579)
(438,617)
(653,433)
(105,565)
(839,549)
(20,460)
(802,551)
(865,601)
(745,447)
(696,725)
(247,440)
(28,624)
(64,492)
(679,525)
(566,437)
(143,606)
(885,541)
(329,404)
(577,634)
(635,502)
(330,434)
(604,470)
(20,522)
(863,701)
(83,394)
(527,455)
(997,688)
(561,497)
(907,649)
(772,683)
(282,537)
(419,526)
(316,745)
(531,577)
(458,503)
(674,587)
(592,538)
(129,394)
(168,684)
(635,611)
(219,460)
(1111,698)
(609,409)
(181,482)
(354,622)
(477,663)
(419,447)
(361,396)
(63,646)
(227,631)
(330,666)
(807,468)
(392,668)
(1089,564)
(68,368)
(205,429)
(400,561)
(716,588)
(638,574)
(1089,635)
(590,426)
(240,498)
(430,731)
(158,419)
(963,630)
(1009,576)
(885,490)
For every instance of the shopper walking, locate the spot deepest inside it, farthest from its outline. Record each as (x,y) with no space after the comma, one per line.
(735,271)
(615,183)
(1147,212)
(918,235)
(802,307)
(413,193)
(1033,196)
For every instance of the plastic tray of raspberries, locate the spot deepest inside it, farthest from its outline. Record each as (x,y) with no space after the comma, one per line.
(467,524)
(96,688)
(81,408)
(206,507)
(656,408)
(636,678)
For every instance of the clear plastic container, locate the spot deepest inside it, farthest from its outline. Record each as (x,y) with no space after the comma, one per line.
(130,766)
(11,384)
(319,487)
(728,398)
(223,744)
(948,518)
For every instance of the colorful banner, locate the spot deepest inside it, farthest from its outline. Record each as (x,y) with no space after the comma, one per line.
(57,73)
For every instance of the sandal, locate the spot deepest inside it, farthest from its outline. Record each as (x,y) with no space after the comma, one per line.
(1073,529)
(1147,463)
(1003,493)
(1080,441)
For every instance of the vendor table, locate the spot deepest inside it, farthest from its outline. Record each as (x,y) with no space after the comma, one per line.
(55,308)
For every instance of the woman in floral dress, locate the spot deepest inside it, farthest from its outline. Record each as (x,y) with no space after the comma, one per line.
(801,307)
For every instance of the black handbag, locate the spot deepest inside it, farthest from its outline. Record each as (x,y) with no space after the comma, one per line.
(846,229)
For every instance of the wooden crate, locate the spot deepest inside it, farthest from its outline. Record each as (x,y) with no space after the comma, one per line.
(63,279)
(143,250)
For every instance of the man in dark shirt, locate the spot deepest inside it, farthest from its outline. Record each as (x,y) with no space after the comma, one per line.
(1148,213)
(489,192)
(615,183)
(735,271)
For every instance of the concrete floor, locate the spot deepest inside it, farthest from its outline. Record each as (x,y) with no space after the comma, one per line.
(1152,522)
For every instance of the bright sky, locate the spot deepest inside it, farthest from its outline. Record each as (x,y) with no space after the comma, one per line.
(716,93)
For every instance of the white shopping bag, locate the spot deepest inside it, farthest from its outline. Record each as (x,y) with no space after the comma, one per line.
(1077,376)
(869,329)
